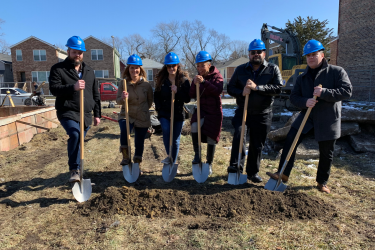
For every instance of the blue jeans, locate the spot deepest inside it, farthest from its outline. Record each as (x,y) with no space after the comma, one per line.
(139,138)
(177,127)
(72,129)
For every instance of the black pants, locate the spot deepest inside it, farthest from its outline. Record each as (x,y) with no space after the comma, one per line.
(326,149)
(259,126)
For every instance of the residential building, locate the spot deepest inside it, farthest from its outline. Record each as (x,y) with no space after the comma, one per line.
(332,48)
(227,68)
(102,58)
(152,68)
(33,58)
(6,73)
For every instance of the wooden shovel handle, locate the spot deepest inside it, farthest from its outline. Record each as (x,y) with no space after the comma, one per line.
(82,124)
(127,118)
(171,124)
(243,123)
(198,117)
(300,129)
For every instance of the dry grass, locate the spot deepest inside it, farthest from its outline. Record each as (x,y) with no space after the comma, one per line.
(37,207)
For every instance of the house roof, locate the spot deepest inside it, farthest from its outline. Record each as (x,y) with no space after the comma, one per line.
(93,37)
(333,39)
(40,40)
(148,63)
(232,63)
(6,58)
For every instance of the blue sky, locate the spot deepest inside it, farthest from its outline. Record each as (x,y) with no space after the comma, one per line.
(56,21)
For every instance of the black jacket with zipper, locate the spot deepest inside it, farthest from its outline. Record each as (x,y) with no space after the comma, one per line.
(269,82)
(62,78)
(163,97)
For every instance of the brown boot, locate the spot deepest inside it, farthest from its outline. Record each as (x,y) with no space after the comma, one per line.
(276,175)
(125,156)
(323,188)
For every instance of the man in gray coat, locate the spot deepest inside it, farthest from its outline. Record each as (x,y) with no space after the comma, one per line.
(325,117)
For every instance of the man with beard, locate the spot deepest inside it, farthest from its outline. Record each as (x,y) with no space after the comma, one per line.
(325,117)
(261,81)
(66,79)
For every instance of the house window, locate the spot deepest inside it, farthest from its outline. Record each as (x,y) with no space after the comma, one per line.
(96,54)
(40,76)
(149,75)
(19,55)
(101,73)
(40,55)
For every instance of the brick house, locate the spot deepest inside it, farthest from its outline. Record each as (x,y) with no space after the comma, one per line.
(227,68)
(33,58)
(152,68)
(101,57)
(356,46)
(333,51)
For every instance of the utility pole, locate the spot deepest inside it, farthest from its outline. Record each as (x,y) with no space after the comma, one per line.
(114,61)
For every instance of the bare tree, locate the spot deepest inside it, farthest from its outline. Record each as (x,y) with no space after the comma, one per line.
(238,49)
(4,46)
(220,46)
(167,35)
(151,50)
(133,44)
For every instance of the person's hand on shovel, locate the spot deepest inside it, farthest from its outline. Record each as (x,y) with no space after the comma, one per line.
(174,88)
(80,84)
(198,79)
(247,88)
(124,95)
(310,103)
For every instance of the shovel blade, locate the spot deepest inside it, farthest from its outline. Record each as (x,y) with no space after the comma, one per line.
(272,186)
(169,172)
(201,172)
(82,190)
(237,178)
(131,172)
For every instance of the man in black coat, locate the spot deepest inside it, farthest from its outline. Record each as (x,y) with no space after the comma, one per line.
(261,80)
(66,80)
(325,117)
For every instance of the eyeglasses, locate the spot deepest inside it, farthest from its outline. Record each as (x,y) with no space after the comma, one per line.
(171,65)
(253,52)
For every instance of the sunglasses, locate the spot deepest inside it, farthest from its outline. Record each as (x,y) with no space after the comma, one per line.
(171,65)
(253,52)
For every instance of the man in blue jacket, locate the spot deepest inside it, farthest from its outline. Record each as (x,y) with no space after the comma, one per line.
(261,80)
(325,117)
(66,79)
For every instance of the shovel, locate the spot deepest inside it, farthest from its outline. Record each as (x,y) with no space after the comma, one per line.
(169,170)
(130,171)
(278,185)
(82,190)
(239,178)
(200,170)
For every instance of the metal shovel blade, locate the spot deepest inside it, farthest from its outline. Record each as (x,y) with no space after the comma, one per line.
(272,186)
(131,172)
(169,172)
(201,172)
(82,190)
(237,178)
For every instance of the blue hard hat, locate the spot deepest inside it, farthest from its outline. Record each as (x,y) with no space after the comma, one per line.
(171,58)
(75,42)
(312,46)
(203,56)
(134,60)
(257,44)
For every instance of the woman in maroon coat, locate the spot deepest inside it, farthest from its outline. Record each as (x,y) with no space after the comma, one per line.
(210,87)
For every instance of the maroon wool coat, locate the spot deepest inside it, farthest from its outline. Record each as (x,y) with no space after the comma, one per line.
(210,102)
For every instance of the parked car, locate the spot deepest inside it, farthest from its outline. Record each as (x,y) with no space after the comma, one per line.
(18,96)
(108,91)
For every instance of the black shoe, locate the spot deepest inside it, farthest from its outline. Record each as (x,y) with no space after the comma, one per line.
(233,169)
(255,178)
(210,156)
(194,137)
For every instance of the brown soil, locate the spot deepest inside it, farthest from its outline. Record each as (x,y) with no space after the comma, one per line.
(223,201)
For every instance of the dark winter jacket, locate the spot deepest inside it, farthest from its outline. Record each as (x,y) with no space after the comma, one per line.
(62,78)
(325,117)
(210,104)
(162,99)
(269,82)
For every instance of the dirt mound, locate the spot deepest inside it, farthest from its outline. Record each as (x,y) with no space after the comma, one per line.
(227,204)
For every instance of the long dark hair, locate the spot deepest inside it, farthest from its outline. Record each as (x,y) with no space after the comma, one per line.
(163,74)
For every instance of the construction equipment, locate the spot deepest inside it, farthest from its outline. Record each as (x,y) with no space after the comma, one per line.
(238,177)
(277,185)
(130,171)
(82,190)
(290,63)
(200,170)
(10,99)
(170,170)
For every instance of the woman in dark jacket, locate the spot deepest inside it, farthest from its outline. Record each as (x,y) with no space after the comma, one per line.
(210,88)
(171,73)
